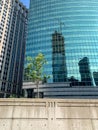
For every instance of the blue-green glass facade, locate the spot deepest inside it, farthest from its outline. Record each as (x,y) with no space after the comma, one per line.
(77,20)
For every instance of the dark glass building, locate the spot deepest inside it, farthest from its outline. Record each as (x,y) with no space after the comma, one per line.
(76,22)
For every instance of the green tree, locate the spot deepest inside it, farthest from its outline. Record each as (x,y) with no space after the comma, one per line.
(34,70)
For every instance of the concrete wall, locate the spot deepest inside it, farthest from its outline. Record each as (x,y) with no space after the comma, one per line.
(48,114)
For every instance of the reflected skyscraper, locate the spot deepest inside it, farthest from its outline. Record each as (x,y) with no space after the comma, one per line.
(95,75)
(58,58)
(80,31)
(84,69)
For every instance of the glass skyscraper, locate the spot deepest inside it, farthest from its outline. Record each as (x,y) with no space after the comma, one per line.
(76,21)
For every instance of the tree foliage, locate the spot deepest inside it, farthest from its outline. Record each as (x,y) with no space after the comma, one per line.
(34,69)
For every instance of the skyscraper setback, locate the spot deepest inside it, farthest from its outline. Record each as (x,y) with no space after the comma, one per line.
(13,21)
(80,35)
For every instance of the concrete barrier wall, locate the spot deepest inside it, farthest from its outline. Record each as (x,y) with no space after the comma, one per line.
(48,114)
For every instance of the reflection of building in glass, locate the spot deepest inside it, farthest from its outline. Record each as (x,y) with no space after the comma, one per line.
(84,69)
(79,30)
(73,81)
(58,58)
(95,76)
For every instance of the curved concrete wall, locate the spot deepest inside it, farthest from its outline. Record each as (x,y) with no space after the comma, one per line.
(48,114)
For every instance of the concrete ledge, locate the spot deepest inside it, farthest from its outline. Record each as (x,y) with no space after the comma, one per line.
(48,114)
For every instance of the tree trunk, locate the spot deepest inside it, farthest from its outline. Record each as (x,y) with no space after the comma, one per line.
(37,89)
